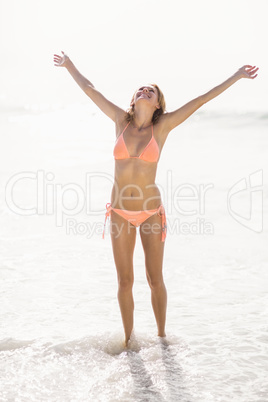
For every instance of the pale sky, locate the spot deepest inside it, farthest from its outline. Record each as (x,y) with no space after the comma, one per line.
(186,47)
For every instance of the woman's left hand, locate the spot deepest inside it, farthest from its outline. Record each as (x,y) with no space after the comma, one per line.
(248,71)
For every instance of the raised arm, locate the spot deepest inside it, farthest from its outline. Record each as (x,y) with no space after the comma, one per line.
(111,110)
(173,119)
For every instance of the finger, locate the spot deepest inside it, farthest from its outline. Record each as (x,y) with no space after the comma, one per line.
(252,74)
(62,52)
(254,71)
(247,66)
(248,69)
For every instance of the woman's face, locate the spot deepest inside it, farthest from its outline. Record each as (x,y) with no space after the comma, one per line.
(147,93)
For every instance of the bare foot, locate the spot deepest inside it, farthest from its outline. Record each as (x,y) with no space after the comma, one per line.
(126,343)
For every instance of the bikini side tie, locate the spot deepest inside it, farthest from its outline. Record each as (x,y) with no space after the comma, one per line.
(161,212)
(108,213)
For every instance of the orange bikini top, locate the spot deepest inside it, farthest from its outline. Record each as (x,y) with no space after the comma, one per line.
(149,154)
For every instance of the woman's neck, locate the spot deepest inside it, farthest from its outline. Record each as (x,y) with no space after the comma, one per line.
(142,119)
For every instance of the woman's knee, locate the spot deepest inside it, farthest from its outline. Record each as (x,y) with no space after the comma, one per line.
(125,283)
(155,282)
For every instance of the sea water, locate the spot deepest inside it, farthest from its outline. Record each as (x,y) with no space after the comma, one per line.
(61,336)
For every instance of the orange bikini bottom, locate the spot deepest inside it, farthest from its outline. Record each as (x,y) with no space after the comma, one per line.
(136,218)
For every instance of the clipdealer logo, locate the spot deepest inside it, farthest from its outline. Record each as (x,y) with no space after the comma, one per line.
(244,201)
(250,190)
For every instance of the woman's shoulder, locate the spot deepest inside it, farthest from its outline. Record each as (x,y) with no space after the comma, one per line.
(161,129)
(123,118)
(121,123)
(161,123)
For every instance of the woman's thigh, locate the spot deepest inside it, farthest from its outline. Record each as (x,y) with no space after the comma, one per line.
(123,236)
(150,232)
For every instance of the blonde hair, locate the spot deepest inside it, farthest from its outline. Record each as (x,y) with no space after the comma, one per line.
(158,112)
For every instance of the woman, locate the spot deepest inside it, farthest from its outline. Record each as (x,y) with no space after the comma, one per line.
(141,133)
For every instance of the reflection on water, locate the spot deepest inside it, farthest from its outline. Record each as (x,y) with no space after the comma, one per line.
(174,374)
(144,388)
(171,373)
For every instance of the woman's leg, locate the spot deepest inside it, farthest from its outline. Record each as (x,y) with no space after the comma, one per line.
(123,236)
(150,232)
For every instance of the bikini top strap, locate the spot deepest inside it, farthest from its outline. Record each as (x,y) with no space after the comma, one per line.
(125,128)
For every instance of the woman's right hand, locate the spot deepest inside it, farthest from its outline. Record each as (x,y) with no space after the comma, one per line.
(61,61)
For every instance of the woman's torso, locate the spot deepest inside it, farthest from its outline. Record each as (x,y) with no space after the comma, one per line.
(134,178)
